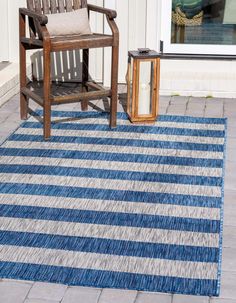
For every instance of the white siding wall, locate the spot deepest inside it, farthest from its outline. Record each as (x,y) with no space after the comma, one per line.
(132,22)
(4,50)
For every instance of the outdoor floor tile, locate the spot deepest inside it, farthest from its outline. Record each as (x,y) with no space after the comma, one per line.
(117,296)
(14,117)
(231,142)
(230,154)
(229,260)
(229,236)
(221,300)
(179,100)
(196,106)
(230,110)
(13,292)
(231,124)
(192,113)
(230,176)
(3,118)
(47,291)
(228,282)
(39,301)
(188,299)
(231,132)
(230,167)
(214,102)
(3,135)
(162,110)
(198,100)
(214,114)
(145,297)
(229,100)
(81,294)
(18,281)
(13,106)
(172,110)
(230,207)
(177,107)
(164,100)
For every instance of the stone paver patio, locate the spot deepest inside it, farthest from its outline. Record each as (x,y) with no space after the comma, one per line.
(12,291)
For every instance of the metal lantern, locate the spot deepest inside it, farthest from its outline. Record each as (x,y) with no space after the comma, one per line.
(143,78)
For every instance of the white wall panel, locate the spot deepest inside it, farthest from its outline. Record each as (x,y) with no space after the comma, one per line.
(4,31)
(132,23)
(13,7)
(153,17)
(107,51)
(96,55)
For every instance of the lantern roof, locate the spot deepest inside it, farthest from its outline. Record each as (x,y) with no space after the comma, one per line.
(144,54)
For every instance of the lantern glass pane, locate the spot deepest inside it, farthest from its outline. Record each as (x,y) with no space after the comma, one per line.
(146,81)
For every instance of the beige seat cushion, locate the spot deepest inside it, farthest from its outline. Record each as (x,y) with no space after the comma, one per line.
(71,23)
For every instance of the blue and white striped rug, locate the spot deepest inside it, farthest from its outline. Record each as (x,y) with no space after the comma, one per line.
(138,207)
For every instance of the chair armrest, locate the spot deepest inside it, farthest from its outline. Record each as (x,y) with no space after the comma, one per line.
(111,14)
(42,19)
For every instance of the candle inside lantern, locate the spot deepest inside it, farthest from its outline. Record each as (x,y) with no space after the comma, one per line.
(144,99)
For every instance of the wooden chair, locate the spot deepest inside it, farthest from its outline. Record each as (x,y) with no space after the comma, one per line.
(40,39)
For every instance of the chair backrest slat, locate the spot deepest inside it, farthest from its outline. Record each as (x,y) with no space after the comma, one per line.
(77,4)
(83,3)
(30,5)
(69,6)
(45,7)
(38,7)
(61,6)
(53,6)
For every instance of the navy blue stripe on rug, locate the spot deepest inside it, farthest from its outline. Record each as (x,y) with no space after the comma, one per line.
(121,142)
(123,116)
(110,218)
(131,128)
(111,156)
(107,279)
(187,119)
(109,174)
(108,194)
(112,247)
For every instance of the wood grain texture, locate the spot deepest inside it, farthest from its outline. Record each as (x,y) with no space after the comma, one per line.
(30,4)
(45,7)
(53,6)
(61,6)
(77,4)
(23,80)
(47,89)
(83,3)
(81,42)
(69,6)
(38,7)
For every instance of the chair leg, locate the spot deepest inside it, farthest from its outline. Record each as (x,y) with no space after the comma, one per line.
(114,86)
(85,76)
(23,80)
(46,91)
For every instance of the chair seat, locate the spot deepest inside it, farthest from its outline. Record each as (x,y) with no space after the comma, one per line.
(71,42)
